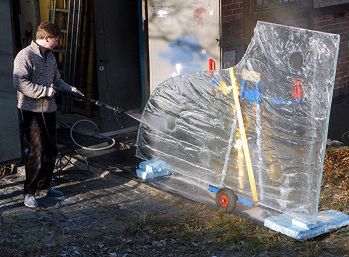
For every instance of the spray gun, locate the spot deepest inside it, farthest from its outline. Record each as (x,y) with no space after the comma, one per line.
(76,94)
(116,110)
(99,103)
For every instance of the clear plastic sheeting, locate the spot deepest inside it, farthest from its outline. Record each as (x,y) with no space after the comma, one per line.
(285,82)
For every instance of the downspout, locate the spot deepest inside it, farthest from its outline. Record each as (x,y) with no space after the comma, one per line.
(84,46)
(91,63)
(143,58)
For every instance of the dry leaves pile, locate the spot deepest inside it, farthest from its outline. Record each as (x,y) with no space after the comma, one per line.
(336,174)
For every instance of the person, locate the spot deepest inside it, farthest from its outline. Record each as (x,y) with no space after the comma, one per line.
(35,77)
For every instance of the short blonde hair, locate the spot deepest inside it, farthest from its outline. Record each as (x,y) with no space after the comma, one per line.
(48,29)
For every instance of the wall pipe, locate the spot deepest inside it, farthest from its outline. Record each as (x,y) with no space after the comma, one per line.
(91,63)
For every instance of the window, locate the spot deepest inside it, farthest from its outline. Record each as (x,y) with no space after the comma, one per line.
(229,58)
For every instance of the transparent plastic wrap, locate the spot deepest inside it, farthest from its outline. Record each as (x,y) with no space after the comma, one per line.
(285,82)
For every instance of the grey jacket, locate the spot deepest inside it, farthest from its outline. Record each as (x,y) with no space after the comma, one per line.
(32,75)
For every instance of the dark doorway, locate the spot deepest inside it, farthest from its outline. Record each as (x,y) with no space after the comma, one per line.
(118,61)
(9,128)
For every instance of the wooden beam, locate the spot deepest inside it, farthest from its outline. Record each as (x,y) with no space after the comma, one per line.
(243,137)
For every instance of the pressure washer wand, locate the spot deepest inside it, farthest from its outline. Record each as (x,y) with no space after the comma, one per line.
(115,109)
(101,104)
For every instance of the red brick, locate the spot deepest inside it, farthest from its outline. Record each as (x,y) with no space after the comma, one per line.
(238,11)
(224,2)
(227,12)
(230,6)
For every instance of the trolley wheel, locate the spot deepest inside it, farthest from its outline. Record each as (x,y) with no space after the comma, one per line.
(226,199)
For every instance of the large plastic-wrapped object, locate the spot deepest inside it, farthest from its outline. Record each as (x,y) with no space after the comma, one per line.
(285,82)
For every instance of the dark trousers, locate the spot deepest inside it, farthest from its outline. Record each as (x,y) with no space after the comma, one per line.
(40,132)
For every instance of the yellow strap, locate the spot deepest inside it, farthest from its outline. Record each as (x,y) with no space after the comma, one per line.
(243,137)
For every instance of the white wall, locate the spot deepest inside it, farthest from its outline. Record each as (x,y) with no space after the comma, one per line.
(182,37)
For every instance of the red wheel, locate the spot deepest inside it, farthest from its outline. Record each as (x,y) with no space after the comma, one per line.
(223,200)
(226,199)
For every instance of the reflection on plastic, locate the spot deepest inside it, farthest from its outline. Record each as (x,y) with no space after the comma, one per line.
(286,80)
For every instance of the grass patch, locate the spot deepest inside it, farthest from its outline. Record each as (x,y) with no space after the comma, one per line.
(246,235)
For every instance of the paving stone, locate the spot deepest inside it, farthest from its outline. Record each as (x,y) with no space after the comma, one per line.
(91,204)
(68,215)
(9,219)
(89,212)
(26,216)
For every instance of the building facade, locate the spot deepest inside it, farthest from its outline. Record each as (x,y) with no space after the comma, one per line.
(240,16)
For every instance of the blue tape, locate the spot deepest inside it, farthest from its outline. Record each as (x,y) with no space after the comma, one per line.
(244,201)
(213,189)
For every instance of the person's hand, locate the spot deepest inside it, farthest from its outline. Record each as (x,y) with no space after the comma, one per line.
(49,92)
(76,91)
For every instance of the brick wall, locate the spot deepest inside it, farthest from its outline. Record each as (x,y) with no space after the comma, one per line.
(232,10)
(338,24)
(233,28)
(232,31)
(232,18)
